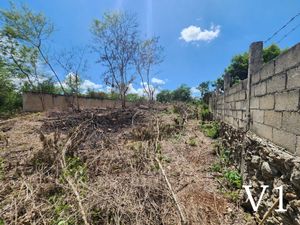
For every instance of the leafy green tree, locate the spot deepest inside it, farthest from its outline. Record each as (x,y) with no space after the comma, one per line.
(134,97)
(271,52)
(113,96)
(97,94)
(10,98)
(238,68)
(23,35)
(203,88)
(164,96)
(46,86)
(182,93)
(219,84)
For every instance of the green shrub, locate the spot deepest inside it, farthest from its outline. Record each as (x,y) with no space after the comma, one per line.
(225,157)
(10,102)
(205,114)
(211,129)
(234,178)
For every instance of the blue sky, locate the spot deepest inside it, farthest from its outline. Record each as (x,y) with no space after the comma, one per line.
(219,28)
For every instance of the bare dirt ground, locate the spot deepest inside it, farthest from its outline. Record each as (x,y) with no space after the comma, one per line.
(101,167)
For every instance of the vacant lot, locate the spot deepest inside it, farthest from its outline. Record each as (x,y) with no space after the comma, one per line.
(133,166)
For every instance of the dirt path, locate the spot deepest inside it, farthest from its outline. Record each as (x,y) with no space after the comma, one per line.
(192,156)
(121,172)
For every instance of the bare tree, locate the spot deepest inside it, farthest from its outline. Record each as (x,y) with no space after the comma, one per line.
(74,64)
(149,55)
(116,42)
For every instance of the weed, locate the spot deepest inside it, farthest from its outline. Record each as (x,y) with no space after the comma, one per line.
(154,167)
(63,222)
(177,136)
(158,148)
(205,114)
(216,167)
(61,210)
(224,157)
(232,195)
(192,142)
(248,217)
(167,160)
(234,178)
(76,169)
(211,129)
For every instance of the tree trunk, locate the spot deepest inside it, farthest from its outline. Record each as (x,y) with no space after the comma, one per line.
(123,100)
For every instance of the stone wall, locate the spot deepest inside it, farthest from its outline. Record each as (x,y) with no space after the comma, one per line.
(268,102)
(36,102)
(263,163)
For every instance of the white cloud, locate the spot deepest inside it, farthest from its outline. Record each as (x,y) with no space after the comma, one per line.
(139,91)
(19,82)
(157,81)
(194,33)
(84,86)
(195,92)
(87,84)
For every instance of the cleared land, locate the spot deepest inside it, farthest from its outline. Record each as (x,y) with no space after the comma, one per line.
(111,167)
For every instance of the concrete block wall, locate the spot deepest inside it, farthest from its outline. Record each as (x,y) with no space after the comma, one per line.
(231,107)
(36,102)
(274,101)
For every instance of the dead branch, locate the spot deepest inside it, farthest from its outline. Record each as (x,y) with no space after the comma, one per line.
(69,180)
(182,216)
(268,213)
(174,196)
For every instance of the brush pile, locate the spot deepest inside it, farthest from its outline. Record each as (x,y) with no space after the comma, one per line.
(94,167)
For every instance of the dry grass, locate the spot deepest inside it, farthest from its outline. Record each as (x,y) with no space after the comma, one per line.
(99,167)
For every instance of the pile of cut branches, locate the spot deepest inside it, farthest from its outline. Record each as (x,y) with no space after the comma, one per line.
(92,169)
